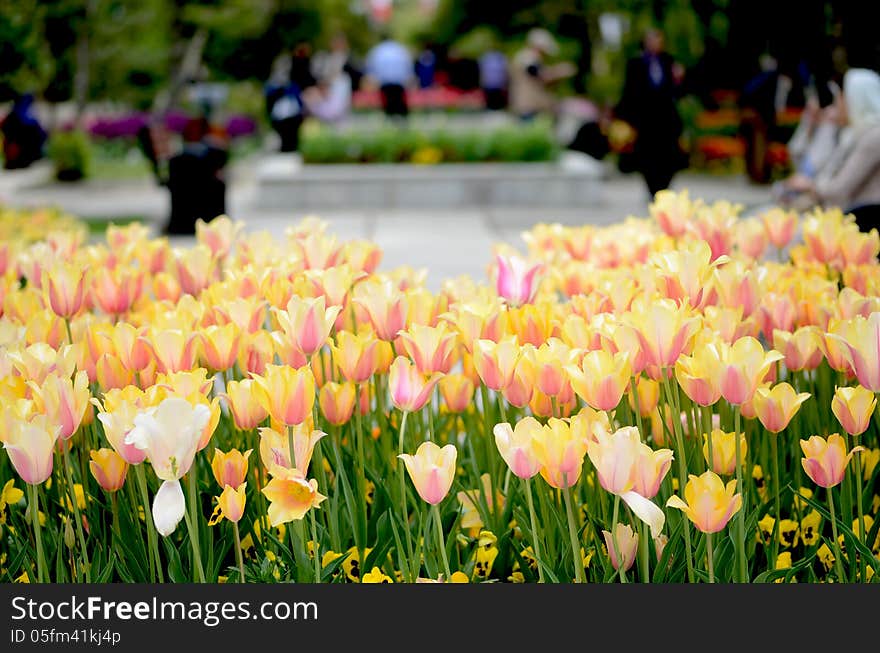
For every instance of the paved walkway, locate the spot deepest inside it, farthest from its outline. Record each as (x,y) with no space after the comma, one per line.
(447,243)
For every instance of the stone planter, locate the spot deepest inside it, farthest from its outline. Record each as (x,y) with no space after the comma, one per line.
(285,184)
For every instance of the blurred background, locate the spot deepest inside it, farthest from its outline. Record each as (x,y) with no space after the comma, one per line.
(143,98)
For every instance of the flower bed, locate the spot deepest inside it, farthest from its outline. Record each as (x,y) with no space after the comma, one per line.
(508,143)
(644,401)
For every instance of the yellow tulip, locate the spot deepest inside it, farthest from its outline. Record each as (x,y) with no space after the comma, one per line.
(709,504)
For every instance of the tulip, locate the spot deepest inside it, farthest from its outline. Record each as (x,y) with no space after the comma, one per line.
(775,407)
(355,355)
(64,287)
(650,469)
(686,273)
(409,389)
(622,462)
(256,352)
(430,347)
(723,458)
(318,251)
(825,460)
(517,280)
(169,434)
(431,470)
(751,237)
(115,291)
(220,346)
(39,360)
(196,268)
(30,445)
(386,308)
(862,344)
(780,226)
(173,349)
(628,543)
(108,468)
(801,349)
(64,400)
(117,421)
(698,374)
(519,391)
(457,391)
(291,496)
(517,446)
(288,395)
(853,407)
(247,411)
(44,326)
(133,351)
(495,362)
(709,503)
(665,331)
(672,211)
(307,323)
(560,452)
(230,468)
(601,379)
(231,502)
(648,393)
(744,366)
(218,234)
(531,324)
(337,402)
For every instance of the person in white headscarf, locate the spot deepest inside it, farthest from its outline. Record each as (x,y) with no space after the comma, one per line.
(851,177)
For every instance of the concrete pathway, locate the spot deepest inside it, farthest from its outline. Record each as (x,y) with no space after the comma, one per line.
(446,243)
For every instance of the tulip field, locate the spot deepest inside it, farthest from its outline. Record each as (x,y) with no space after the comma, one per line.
(684,397)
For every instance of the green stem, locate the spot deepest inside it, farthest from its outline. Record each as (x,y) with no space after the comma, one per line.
(114,507)
(634,391)
(710,557)
(38,533)
(618,553)
(774,452)
(440,542)
(644,555)
(197,556)
(861,511)
(401,475)
(572,534)
(316,550)
(238,556)
(742,575)
(682,469)
(536,540)
(838,563)
(79,529)
(707,429)
(362,474)
(193,516)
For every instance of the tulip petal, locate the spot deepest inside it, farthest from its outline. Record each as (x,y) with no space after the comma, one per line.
(168,507)
(645,510)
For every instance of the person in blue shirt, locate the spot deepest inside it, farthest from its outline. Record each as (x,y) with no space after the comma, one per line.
(389,63)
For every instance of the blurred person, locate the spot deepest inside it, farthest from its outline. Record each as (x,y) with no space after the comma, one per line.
(494,79)
(390,65)
(426,67)
(291,75)
(340,58)
(759,105)
(531,76)
(329,100)
(813,142)
(851,178)
(196,178)
(648,104)
(23,136)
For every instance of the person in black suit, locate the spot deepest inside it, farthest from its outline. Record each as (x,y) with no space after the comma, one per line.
(195,179)
(648,103)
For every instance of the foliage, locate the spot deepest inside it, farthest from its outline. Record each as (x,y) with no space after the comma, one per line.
(71,154)
(394,145)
